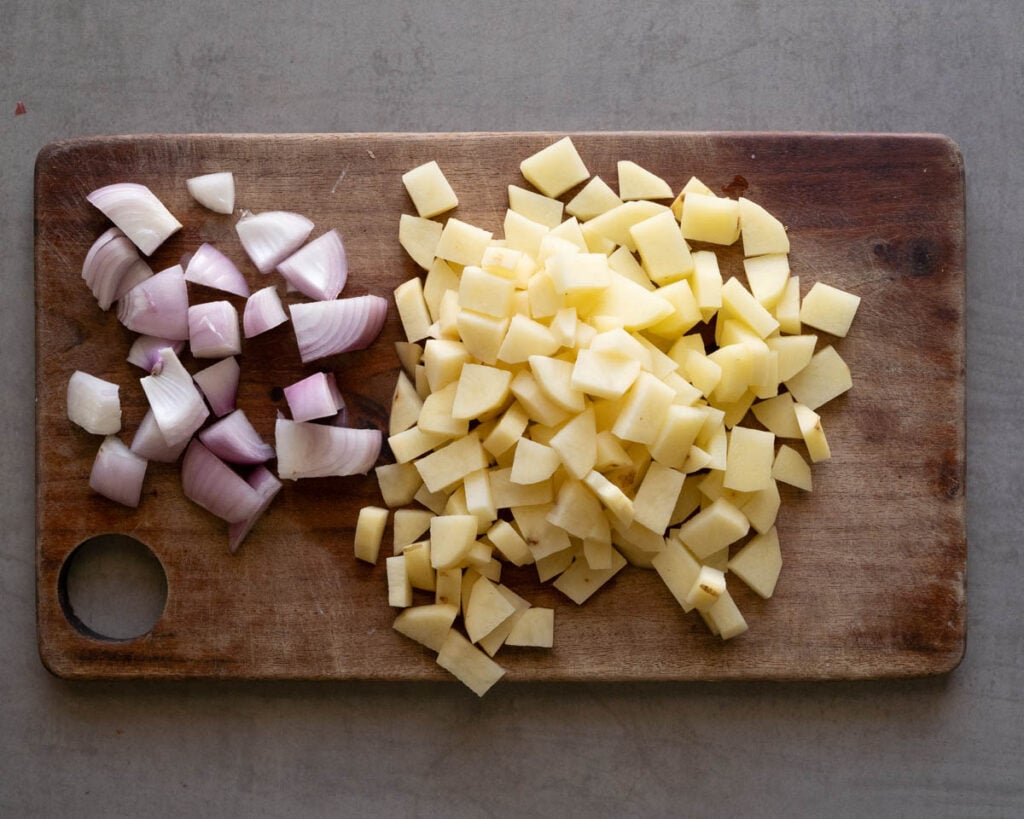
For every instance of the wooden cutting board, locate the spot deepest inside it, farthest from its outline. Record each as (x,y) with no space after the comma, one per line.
(874,578)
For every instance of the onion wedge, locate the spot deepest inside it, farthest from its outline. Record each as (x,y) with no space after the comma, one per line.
(117,472)
(136,210)
(271,237)
(145,351)
(215,191)
(213,330)
(263,311)
(112,267)
(149,442)
(314,397)
(177,406)
(157,306)
(233,439)
(324,328)
(94,404)
(215,486)
(308,450)
(209,267)
(219,383)
(318,270)
(266,485)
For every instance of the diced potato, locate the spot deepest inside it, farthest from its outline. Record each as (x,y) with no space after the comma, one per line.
(787,311)
(644,410)
(480,498)
(486,610)
(777,416)
(481,335)
(706,283)
(595,198)
(679,571)
(767,276)
(369,532)
(428,625)
(636,182)
(554,377)
(409,524)
(508,495)
(677,435)
(412,443)
(829,308)
(399,588)
(462,242)
(663,250)
(526,337)
(451,538)
(405,405)
(507,431)
(629,304)
(535,401)
(824,378)
(420,238)
(418,567)
(535,628)
(578,511)
(656,498)
(615,223)
(485,292)
(762,233)
(759,563)
(555,169)
(617,501)
(533,462)
(710,219)
(468,663)
(498,636)
(480,391)
(814,434)
(762,507)
(398,483)
(750,456)
(443,360)
(412,309)
(791,468)
(448,591)
(713,528)
(738,300)
(576,444)
(436,415)
(523,234)
(537,208)
(510,543)
(725,618)
(429,190)
(707,588)
(579,582)
(794,353)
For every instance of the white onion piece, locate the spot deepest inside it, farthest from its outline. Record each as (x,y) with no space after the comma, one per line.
(149,442)
(318,270)
(270,238)
(145,351)
(233,439)
(309,450)
(219,383)
(117,472)
(112,267)
(211,483)
(314,397)
(157,306)
(266,485)
(136,210)
(215,191)
(208,266)
(323,328)
(213,330)
(94,404)
(177,406)
(263,311)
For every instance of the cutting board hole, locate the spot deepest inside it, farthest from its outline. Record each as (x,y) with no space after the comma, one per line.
(112,587)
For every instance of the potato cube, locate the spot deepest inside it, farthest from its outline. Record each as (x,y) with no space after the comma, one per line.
(507,431)
(644,410)
(412,443)
(448,588)
(632,306)
(510,543)
(777,416)
(679,571)
(509,495)
(436,414)
(824,378)
(554,377)
(663,250)
(540,209)
(576,444)
(615,223)
(427,625)
(533,399)
(759,563)
(623,262)
(751,453)
(405,405)
(533,462)
(677,435)
(429,190)
(829,308)
(485,292)
(462,242)
(762,507)
(555,169)
(479,498)
(791,468)
(412,309)
(787,311)
(486,610)
(656,498)
(579,581)
(794,353)
(706,589)
(578,512)
(636,182)
(725,618)
(399,588)
(738,300)
(451,538)
(526,337)
(398,483)
(535,628)
(710,219)
(713,528)
(481,335)
(417,565)
(369,532)
(450,464)
(595,198)
(409,524)
(762,233)
(767,276)
(442,360)
(523,234)
(420,238)
(480,391)
(468,663)
(814,434)
(614,499)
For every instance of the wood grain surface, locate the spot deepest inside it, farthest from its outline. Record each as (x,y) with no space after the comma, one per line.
(873,580)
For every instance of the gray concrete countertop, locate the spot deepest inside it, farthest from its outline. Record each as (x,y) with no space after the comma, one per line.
(950,746)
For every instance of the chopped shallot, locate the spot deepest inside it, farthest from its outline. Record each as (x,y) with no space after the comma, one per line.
(94,404)
(117,472)
(314,397)
(319,269)
(136,210)
(309,450)
(263,311)
(157,306)
(266,485)
(219,383)
(177,406)
(233,439)
(270,238)
(213,330)
(208,266)
(215,191)
(323,328)
(215,486)
(112,267)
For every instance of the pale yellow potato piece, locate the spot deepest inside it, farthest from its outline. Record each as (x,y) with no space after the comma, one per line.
(507,431)
(480,499)
(369,533)
(480,391)
(710,219)
(791,468)
(610,452)
(663,250)
(428,624)
(523,234)
(762,507)
(405,405)
(485,292)
(555,169)
(399,588)
(740,303)
(409,524)
(554,376)
(576,443)
(706,282)
(579,582)
(614,499)
(578,511)
(787,311)
(623,262)
(759,563)
(451,538)
(496,638)
(534,628)
(574,273)
(794,352)
(635,307)
(436,417)
(508,495)
(678,570)
(450,464)
(825,377)
(725,619)
(595,198)
(442,361)
(615,223)
(448,591)
(814,434)
(685,313)
(533,462)
(778,416)
(534,206)
(398,483)
(526,337)
(656,498)
(417,566)
(767,276)
(412,309)
(693,185)
(486,610)
(750,457)
(413,442)
(439,280)
(554,564)
(535,402)
(542,538)
(502,260)
(644,410)
(636,182)
(434,501)
(510,543)
(762,233)
(462,242)
(829,308)
(429,190)
(409,355)
(543,299)
(706,589)
(571,231)
(481,335)
(468,663)
(677,435)
(714,528)
(420,238)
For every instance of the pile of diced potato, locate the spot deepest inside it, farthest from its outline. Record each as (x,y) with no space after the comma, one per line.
(558,405)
